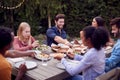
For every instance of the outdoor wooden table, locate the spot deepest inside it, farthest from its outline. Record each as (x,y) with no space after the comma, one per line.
(49,72)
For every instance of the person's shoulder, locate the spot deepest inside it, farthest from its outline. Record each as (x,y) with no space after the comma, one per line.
(118,41)
(16,38)
(91,51)
(117,45)
(4,62)
(51,29)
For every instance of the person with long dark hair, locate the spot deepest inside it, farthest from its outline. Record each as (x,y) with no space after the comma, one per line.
(92,64)
(98,22)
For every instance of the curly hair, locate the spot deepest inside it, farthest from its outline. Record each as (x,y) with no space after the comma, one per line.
(5,37)
(98,36)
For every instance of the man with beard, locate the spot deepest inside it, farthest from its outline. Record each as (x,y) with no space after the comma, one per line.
(114,60)
(56,34)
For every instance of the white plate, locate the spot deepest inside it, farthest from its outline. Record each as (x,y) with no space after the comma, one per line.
(15,59)
(71,62)
(29,64)
(37,51)
(60,66)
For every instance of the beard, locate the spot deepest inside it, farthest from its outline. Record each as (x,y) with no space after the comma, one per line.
(60,27)
(115,35)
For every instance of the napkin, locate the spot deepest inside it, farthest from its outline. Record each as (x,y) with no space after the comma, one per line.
(15,59)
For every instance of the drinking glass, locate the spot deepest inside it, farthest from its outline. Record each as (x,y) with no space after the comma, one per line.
(44,61)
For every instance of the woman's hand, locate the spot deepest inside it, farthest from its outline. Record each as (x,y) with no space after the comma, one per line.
(76,41)
(35,44)
(70,45)
(21,72)
(31,54)
(59,56)
(22,68)
(70,55)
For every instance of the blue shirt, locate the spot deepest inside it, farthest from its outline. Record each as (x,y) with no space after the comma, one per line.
(52,32)
(92,64)
(114,60)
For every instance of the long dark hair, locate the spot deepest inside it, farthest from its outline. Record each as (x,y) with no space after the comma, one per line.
(98,36)
(5,37)
(100,21)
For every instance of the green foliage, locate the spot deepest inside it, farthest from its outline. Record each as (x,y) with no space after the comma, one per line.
(79,13)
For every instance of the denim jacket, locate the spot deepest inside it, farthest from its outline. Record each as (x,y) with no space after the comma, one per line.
(114,60)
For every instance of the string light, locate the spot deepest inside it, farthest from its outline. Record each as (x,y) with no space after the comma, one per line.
(6,7)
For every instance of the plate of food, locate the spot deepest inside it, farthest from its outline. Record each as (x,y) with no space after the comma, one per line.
(62,50)
(44,47)
(55,49)
(29,64)
(42,56)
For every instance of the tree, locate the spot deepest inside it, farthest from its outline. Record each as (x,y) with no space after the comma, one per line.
(49,8)
(7,8)
(79,13)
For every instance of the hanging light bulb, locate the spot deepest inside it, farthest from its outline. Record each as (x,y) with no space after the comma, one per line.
(14,7)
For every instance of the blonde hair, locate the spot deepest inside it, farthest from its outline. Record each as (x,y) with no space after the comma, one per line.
(22,26)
